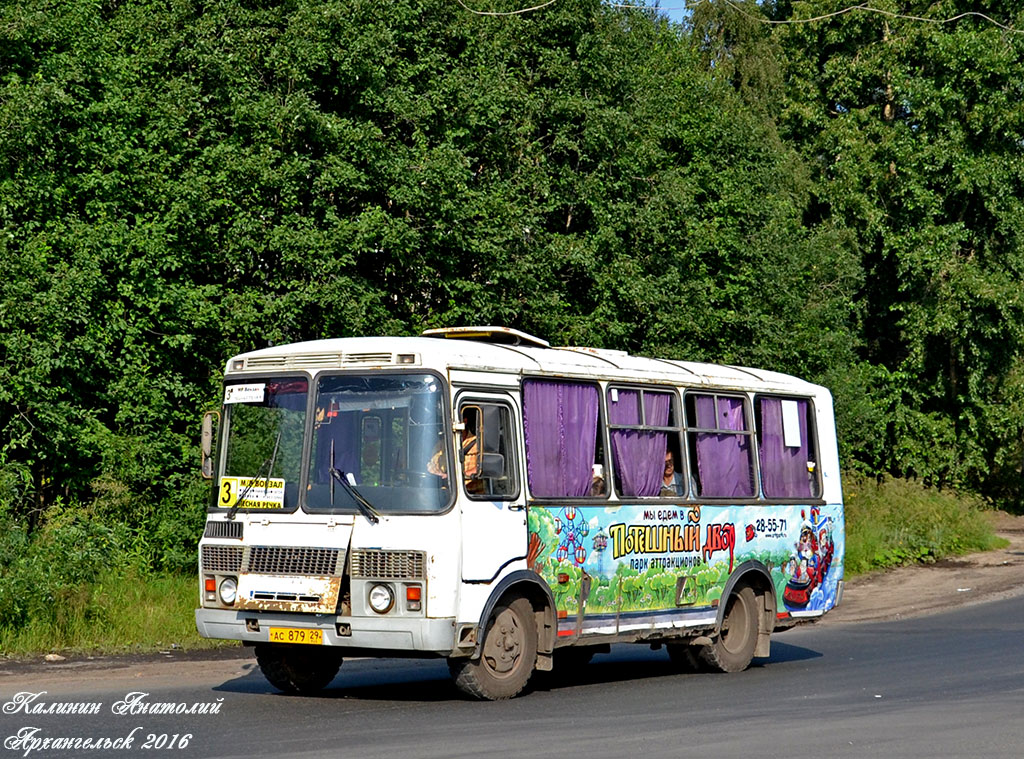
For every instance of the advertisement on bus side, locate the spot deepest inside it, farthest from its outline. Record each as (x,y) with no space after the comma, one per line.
(671,560)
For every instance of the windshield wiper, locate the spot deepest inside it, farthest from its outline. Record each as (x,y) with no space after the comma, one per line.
(364,506)
(268,465)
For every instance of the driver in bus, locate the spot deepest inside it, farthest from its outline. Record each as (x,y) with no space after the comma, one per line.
(438,464)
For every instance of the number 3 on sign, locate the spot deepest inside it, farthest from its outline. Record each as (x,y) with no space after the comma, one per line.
(228,492)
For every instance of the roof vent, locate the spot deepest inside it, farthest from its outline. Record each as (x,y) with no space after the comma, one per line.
(369,358)
(499,335)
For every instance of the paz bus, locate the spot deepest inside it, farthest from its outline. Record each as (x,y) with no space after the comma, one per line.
(479,495)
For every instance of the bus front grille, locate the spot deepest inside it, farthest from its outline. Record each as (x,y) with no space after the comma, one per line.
(222,558)
(283,560)
(388,565)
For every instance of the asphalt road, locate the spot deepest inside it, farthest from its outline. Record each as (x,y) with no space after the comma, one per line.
(945,685)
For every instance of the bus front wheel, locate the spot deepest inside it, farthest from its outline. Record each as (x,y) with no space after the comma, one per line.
(299,670)
(733,647)
(507,656)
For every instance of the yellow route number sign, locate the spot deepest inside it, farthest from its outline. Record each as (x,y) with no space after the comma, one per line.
(250,493)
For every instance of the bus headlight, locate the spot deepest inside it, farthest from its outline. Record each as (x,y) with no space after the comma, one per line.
(382,598)
(228,590)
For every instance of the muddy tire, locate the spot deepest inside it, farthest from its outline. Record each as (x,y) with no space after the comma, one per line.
(299,670)
(733,647)
(507,657)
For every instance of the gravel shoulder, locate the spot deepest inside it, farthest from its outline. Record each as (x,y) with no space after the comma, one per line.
(928,588)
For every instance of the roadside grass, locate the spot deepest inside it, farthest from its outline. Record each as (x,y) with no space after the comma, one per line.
(893,522)
(124,615)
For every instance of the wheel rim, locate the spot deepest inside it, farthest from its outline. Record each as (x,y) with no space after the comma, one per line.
(736,626)
(503,647)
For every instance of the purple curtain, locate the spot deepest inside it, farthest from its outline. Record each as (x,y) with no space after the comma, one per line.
(560,427)
(723,460)
(783,469)
(639,455)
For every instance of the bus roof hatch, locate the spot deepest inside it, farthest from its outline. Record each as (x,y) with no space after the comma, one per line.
(500,335)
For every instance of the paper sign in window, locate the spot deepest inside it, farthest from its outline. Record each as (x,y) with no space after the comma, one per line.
(791,424)
(244,393)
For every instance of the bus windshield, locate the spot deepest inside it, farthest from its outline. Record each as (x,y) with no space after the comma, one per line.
(384,435)
(264,425)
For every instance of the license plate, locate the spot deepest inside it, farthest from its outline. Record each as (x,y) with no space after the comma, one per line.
(296,635)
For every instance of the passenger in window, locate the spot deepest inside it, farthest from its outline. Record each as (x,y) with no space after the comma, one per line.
(597,481)
(672,481)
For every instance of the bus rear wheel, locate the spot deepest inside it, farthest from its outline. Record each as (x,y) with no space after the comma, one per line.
(507,657)
(733,647)
(299,670)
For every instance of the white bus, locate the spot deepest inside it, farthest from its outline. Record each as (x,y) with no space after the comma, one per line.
(478,495)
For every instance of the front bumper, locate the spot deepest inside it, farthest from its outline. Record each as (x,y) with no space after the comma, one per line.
(392,634)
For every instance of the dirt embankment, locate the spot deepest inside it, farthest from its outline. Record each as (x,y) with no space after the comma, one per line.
(928,588)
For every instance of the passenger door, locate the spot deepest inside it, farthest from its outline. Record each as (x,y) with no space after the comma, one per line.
(491,493)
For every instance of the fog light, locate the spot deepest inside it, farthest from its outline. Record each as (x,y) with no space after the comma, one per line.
(228,590)
(381,599)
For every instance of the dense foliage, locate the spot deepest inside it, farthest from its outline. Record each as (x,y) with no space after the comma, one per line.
(185,179)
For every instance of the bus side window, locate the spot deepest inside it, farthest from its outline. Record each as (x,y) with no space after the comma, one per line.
(560,426)
(644,442)
(786,446)
(721,452)
(486,450)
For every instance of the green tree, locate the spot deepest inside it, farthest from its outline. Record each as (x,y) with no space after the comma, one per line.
(913,136)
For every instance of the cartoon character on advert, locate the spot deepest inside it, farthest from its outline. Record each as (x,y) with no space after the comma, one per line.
(810,561)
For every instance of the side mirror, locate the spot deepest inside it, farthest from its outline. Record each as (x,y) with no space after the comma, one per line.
(211,420)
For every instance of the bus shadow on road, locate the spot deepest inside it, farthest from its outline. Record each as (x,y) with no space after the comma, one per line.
(368,679)
(633,663)
(427,681)
(786,652)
